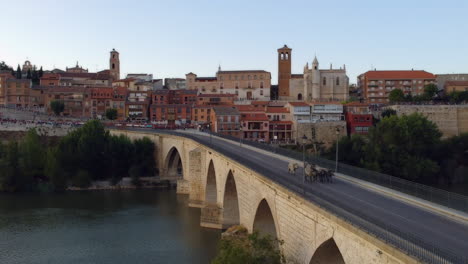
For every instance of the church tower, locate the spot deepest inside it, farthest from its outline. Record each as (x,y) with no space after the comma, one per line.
(114,65)
(315,79)
(284,71)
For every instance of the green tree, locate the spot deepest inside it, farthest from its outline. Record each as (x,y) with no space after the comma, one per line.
(144,156)
(401,146)
(111,113)
(244,248)
(10,171)
(396,95)
(388,112)
(18,72)
(81,179)
(57,106)
(120,151)
(5,67)
(91,147)
(40,73)
(29,74)
(53,171)
(32,160)
(430,90)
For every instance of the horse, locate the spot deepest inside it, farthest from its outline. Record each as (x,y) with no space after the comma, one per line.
(292,167)
(310,172)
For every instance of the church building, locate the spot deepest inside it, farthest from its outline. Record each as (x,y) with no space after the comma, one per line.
(314,84)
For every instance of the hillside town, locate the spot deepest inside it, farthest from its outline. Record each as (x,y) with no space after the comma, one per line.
(319,103)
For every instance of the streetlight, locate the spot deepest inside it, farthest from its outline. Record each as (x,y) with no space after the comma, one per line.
(304,140)
(337,146)
(209,131)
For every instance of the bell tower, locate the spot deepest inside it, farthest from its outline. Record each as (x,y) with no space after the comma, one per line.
(114,65)
(284,71)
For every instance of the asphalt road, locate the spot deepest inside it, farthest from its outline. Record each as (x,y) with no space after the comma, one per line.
(433,228)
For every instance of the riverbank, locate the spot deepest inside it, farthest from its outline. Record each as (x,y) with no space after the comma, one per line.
(126,184)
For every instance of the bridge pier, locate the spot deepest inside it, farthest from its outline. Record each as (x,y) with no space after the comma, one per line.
(211,216)
(196,171)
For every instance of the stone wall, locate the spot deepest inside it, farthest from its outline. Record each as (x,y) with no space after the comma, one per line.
(325,132)
(452,120)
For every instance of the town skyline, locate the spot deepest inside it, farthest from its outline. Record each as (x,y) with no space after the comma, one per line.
(160,46)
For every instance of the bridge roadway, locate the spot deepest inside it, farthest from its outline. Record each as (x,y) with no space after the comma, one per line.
(431,227)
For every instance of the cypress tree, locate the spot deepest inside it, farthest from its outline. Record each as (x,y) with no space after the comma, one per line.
(18,72)
(29,75)
(40,73)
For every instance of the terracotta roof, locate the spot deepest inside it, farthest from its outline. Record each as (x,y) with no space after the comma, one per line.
(277,110)
(249,108)
(125,80)
(299,104)
(456,83)
(356,104)
(254,117)
(399,75)
(260,102)
(246,71)
(216,95)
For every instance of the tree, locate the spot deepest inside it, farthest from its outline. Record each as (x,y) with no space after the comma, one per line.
(430,90)
(5,67)
(29,74)
(111,113)
(120,151)
(401,146)
(10,168)
(57,106)
(243,248)
(18,72)
(388,112)
(396,95)
(82,179)
(40,73)
(32,159)
(54,172)
(144,156)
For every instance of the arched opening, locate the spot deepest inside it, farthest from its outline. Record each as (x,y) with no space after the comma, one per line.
(328,253)
(174,164)
(230,203)
(113,66)
(299,97)
(210,190)
(263,221)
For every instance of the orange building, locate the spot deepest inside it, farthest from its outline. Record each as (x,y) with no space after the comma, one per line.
(456,86)
(100,99)
(280,125)
(377,85)
(201,115)
(254,123)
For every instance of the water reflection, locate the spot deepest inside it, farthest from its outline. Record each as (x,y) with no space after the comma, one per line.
(147,226)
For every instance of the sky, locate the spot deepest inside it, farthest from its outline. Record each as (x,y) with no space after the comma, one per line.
(171,38)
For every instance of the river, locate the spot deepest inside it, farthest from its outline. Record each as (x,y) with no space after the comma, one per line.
(131,226)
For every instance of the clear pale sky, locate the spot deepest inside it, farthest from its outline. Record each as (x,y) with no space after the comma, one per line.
(171,38)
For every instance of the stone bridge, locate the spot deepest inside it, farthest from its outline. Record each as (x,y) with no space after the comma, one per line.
(229,193)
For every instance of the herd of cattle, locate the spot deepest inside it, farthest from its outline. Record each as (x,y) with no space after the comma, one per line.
(312,172)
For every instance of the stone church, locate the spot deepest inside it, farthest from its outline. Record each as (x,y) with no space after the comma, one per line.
(314,84)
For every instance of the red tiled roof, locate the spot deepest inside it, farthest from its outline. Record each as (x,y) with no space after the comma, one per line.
(216,95)
(277,110)
(299,104)
(399,75)
(456,83)
(246,71)
(249,108)
(255,117)
(260,102)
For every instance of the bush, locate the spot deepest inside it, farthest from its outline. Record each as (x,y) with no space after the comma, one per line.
(243,248)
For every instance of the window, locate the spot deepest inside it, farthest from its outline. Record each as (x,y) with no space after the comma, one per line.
(324,81)
(337,80)
(261,84)
(261,92)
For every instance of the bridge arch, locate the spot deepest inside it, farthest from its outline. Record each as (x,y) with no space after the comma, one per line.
(173,165)
(211,191)
(264,222)
(231,214)
(327,252)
